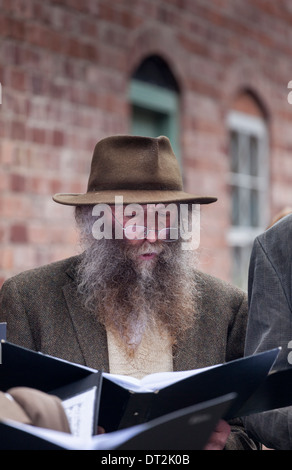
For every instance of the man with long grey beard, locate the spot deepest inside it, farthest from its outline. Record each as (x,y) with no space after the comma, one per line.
(142,290)
(133,302)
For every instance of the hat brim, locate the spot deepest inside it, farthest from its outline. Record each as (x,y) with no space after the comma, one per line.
(131,197)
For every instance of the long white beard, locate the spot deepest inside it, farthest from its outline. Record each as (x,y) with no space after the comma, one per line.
(127,295)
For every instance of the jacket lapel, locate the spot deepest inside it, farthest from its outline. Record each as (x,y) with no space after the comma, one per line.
(90,334)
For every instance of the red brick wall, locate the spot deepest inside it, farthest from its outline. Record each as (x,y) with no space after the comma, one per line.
(65,67)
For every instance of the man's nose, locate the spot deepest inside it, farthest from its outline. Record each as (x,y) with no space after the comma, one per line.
(152,236)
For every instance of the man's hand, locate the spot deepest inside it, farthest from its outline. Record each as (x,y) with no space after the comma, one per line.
(219,436)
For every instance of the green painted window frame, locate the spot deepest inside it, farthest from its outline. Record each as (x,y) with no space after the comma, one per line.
(162,100)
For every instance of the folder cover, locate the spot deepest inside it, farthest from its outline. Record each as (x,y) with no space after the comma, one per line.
(121,407)
(74,384)
(117,404)
(26,368)
(186,429)
(274,392)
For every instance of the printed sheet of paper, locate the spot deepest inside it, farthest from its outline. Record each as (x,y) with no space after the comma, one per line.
(79,410)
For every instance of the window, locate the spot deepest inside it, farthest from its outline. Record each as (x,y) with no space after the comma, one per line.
(248,180)
(155,102)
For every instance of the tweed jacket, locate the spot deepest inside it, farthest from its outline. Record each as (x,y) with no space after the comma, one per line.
(270,320)
(44,313)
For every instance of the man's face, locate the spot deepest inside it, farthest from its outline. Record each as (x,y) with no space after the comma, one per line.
(156,224)
(145,229)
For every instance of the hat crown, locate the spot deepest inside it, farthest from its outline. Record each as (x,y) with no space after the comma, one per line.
(126,162)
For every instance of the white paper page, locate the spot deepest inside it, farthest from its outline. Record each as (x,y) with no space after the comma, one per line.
(153,382)
(79,410)
(115,438)
(62,439)
(70,442)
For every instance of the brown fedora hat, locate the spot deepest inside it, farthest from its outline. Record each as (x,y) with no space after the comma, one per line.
(140,169)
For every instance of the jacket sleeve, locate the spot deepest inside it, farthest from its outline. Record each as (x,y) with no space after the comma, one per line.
(239,438)
(269,326)
(13,312)
(270,316)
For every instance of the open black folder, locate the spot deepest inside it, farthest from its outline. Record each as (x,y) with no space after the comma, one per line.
(123,405)
(116,405)
(274,392)
(186,429)
(77,386)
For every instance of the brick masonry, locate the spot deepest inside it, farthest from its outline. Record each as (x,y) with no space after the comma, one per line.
(65,68)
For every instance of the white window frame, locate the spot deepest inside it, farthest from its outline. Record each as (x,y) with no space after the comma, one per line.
(242,236)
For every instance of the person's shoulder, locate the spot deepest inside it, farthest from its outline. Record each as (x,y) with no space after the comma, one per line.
(216,287)
(280,232)
(276,241)
(58,271)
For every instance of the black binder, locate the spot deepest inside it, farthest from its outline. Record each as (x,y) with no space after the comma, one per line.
(121,407)
(186,429)
(274,392)
(22,367)
(118,407)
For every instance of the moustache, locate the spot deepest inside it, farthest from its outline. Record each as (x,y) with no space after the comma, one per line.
(161,250)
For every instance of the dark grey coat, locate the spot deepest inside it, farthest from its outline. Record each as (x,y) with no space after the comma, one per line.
(270,320)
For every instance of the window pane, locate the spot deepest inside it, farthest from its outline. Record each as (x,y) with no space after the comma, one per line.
(244,158)
(254,156)
(147,122)
(255,207)
(245,219)
(235,205)
(234,152)
(155,112)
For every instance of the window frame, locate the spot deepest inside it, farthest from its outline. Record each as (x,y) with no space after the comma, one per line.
(161,100)
(240,236)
